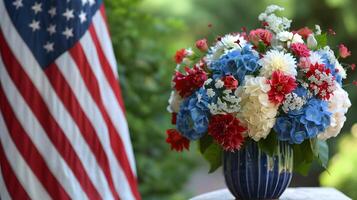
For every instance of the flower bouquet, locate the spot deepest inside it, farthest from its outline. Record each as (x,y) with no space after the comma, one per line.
(262,102)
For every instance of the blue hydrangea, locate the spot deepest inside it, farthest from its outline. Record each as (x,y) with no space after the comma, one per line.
(193,117)
(331,66)
(237,63)
(305,123)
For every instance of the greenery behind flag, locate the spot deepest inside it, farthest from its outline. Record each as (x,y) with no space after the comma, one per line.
(146,33)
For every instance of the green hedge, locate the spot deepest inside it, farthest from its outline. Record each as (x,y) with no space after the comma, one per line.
(145,65)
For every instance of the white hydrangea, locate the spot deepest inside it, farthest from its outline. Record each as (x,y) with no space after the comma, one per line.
(277,60)
(275,23)
(257,112)
(226,44)
(175,101)
(289,38)
(338,106)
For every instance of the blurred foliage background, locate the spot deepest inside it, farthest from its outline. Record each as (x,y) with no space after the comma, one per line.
(145,35)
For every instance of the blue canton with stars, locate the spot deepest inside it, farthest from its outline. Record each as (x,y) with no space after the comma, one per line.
(51,27)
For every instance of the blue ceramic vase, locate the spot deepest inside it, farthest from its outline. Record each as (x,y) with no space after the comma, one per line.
(252,174)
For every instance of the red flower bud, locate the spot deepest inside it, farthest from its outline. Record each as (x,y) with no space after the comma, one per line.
(353,67)
(304,32)
(180,55)
(230,82)
(202,45)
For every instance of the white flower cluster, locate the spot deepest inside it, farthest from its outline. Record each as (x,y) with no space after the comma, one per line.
(338,106)
(289,38)
(228,102)
(175,101)
(225,44)
(275,23)
(257,112)
(293,102)
(277,60)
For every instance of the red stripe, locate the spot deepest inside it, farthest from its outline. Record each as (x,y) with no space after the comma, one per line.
(106,68)
(29,151)
(13,186)
(49,124)
(68,98)
(93,87)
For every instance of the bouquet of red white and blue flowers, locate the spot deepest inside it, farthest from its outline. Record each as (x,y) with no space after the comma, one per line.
(268,85)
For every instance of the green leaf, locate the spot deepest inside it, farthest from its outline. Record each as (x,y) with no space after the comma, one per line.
(303,157)
(204,143)
(261,47)
(323,152)
(213,154)
(269,145)
(321,40)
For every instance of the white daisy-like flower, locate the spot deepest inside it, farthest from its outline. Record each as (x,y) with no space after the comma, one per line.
(338,106)
(175,101)
(277,60)
(227,43)
(210,92)
(219,84)
(257,112)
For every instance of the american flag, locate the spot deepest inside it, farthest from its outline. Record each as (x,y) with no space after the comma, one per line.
(63,132)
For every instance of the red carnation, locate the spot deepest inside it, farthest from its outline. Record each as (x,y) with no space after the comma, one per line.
(260,35)
(227,131)
(344,52)
(304,32)
(281,85)
(177,141)
(202,45)
(185,85)
(230,82)
(300,49)
(180,55)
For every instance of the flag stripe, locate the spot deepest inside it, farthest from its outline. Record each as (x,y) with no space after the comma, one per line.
(73,77)
(4,194)
(39,108)
(107,97)
(33,129)
(89,134)
(91,82)
(28,151)
(113,82)
(13,186)
(20,172)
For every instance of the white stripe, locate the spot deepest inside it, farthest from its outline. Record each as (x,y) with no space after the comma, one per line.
(58,111)
(23,172)
(70,71)
(4,194)
(108,97)
(101,29)
(32,127)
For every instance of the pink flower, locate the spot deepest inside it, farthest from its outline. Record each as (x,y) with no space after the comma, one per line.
(353,67)
(304,63)
(176,140)
(230,82)
(202,45)
(186,84)
(180,55)
(344,52)
(300,49)
(281,85)
(260,35)
(227,131)
(304,32)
